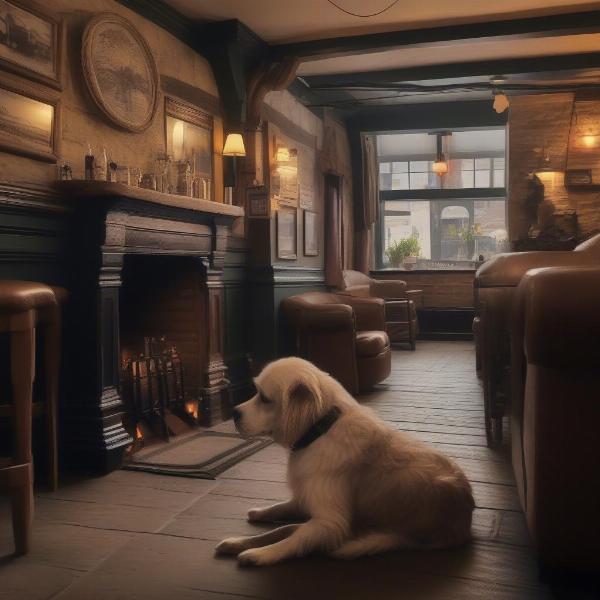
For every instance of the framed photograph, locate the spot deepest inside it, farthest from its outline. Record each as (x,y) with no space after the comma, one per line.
(311,234)
(578,178)
(120,72)
(258,203)
(29,120)
(189,134)
(30,41)
(286,234)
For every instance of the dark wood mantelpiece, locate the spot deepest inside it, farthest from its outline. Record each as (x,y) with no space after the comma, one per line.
(111,221)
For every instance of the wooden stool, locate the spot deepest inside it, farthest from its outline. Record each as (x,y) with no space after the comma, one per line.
(23,306)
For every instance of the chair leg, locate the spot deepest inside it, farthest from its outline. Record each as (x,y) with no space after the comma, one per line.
(22,359)
(21,498)
(51,366)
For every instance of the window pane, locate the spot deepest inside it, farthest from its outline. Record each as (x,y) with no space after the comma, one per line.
(385,181)
(483,163)
(400,167)
(465,179)
(499,178)
(400,181)
(482,179)
(419,166)
(462,164)
(449,236)
(385,167)
(419,181)
(499,163)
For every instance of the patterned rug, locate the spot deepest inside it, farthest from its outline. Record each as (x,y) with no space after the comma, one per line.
(200,455)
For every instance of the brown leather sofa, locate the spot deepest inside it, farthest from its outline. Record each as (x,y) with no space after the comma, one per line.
(555,412)
(343,335)
(494,288)
(401,303)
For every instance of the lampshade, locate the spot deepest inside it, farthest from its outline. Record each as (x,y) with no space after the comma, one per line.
(440,167)
(234,145)
(501,103)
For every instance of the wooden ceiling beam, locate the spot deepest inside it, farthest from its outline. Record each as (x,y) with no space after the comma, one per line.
(521,28)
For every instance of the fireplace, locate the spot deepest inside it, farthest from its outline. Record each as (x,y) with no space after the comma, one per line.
(163,333)
(145,265)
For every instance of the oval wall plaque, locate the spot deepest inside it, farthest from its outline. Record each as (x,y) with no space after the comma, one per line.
(120,71)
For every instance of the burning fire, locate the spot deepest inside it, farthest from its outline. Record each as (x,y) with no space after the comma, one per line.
(191,408)
(138,433)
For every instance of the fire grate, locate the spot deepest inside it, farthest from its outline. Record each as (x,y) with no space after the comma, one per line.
(152,389)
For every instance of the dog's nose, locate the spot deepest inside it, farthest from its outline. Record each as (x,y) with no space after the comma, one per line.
(236,414)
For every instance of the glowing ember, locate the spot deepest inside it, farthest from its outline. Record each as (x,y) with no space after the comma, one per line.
(138,433)
(191,408)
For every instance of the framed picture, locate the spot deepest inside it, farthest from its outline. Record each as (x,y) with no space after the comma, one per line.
(30,41)
(258,202)
(311,234)
(578,178)
(286,234)
(120,72)
(29,120)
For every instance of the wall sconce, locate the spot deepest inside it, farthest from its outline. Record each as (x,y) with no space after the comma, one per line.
(234,147)
(282,154)
(589,140)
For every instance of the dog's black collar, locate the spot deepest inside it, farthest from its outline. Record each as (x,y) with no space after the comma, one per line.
(323,425)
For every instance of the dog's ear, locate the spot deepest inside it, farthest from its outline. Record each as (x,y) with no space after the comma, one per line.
(302,407)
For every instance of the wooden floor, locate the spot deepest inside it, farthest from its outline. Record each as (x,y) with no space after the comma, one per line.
(135,535)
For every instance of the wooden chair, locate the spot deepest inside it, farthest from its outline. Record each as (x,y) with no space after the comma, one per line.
(24,306)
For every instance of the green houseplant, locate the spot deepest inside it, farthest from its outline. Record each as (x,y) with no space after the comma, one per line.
(401,249)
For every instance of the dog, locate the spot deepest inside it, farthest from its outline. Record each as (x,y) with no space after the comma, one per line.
(358,487)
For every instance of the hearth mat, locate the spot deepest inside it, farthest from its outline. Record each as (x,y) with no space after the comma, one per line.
(200,455)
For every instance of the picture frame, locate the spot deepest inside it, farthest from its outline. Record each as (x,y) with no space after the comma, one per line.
(258,202)
(126,93)
(189,136)
(30,121)
(31,42)
(311,234)
(575,178)
(286,234)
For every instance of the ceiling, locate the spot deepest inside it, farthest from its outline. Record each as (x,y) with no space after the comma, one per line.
(432,66)
(285,21)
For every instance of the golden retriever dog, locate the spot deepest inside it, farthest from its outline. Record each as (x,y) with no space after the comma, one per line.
(358,487)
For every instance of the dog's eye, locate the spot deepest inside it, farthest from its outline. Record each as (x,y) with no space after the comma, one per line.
(264,399)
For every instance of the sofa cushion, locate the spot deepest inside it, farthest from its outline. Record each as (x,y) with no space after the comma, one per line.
(371,343)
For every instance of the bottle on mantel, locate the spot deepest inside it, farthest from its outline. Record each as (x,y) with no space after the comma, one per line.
(101,166)
(90,164)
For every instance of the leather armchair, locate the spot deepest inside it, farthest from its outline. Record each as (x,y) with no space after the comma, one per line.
(343,335)
(401,303)
(494,288)
(555,412)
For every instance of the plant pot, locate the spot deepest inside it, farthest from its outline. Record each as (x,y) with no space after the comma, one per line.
(410,262)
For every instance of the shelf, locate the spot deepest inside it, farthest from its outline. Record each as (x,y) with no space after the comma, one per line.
(101,189)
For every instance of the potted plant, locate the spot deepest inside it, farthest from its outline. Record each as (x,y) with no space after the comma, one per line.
(403,251)
(467,235)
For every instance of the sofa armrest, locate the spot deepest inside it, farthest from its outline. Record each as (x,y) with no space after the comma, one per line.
(507,269)
(388,289)
(369,313)
(561,317)
(417,297)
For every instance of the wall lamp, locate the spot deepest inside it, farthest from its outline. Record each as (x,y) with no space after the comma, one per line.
(234,147)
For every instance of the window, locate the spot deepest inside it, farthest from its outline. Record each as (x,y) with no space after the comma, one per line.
(453,228)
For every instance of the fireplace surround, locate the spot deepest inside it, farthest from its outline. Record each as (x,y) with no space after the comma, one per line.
(114,224)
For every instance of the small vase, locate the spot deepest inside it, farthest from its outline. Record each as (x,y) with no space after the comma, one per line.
(410,262)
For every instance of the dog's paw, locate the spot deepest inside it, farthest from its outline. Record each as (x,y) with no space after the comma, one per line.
(257,557)
(256,515)
(231,546)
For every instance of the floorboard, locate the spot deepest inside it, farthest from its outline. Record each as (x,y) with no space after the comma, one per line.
(137,535)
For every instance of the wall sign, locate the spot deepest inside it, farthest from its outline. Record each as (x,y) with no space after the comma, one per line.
(311,234)
(286,234)
(120,72)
